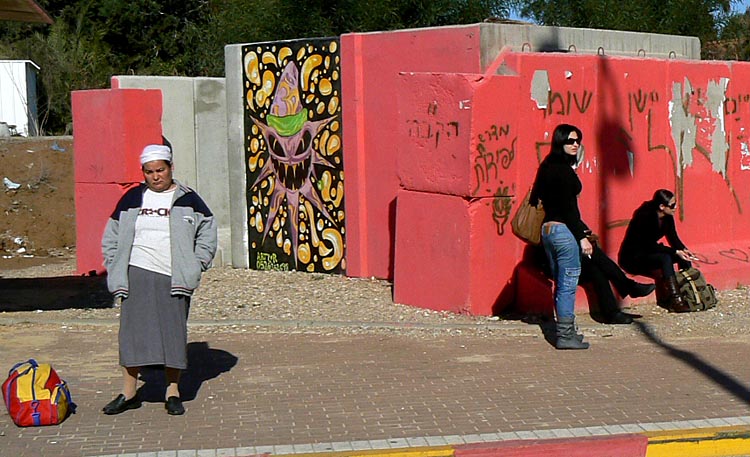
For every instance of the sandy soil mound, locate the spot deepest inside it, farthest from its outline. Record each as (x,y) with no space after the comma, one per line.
(37,207)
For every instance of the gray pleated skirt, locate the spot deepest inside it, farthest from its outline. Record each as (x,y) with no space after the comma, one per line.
(153,323)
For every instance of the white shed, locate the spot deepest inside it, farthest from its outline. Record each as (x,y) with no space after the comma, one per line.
(18,97)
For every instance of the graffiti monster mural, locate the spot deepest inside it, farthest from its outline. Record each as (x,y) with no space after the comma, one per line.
(294,159)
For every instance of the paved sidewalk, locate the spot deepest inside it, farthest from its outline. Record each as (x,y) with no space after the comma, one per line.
(254,391)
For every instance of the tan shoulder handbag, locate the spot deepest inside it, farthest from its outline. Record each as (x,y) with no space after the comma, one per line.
(527,222)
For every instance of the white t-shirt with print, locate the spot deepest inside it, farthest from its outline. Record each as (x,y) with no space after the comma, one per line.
(151,246)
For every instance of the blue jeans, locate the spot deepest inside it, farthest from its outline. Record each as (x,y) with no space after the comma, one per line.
(565,263)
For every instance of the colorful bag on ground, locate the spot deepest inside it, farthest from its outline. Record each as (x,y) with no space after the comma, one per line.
(527,222)
(698,294)
(35,395)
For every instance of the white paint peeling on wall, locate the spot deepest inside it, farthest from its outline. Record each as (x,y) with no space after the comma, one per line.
(715,97)
(631,163)
(540,88)
(744,157)
(682,125)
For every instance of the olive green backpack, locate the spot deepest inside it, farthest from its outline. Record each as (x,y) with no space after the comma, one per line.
(697,293)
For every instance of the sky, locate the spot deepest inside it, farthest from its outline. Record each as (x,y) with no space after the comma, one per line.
(739,7)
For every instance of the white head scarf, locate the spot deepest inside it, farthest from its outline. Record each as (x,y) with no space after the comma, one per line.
(156,152)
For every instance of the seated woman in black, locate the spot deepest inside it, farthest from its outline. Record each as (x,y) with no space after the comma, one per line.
(642,254)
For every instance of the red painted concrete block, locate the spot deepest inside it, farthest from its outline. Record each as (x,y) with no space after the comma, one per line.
(724,264)
(460,133)
(111,127)
(370,67)
(629,445)
(94,205)
(534,292)
(628,136)
(451,254)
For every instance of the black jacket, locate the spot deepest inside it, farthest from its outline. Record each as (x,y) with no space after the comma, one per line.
(557,186)
(644,232)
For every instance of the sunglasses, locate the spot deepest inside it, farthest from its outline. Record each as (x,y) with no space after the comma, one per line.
(672,206)
(571,141)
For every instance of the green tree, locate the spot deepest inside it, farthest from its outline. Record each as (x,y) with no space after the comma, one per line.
(248,21)
(734,39)
(92,40)
(70,58)
(701,18)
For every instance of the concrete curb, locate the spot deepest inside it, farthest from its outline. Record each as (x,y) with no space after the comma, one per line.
(706,442)
(697,442)
(626,445)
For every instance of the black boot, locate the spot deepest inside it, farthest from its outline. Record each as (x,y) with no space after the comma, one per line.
(676,303)
(566,335)
(662,294)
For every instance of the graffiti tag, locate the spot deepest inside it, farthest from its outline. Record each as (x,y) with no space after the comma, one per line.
(486,162)
(567,101)
(432,129)
(269,261)
(501,207)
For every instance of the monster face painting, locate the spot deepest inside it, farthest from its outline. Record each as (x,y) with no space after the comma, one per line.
(294,156)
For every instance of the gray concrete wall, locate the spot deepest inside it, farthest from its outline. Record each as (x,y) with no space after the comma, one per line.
(212,165)
(535,38)
(194,122)
(236,155)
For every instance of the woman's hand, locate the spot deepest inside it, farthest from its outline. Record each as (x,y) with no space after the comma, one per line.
(686,255)
(586,248)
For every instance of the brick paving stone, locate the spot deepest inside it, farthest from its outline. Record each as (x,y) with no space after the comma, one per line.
(384,390)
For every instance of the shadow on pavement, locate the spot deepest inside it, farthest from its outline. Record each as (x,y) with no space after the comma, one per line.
(727,382)
(204,363)
(30,294)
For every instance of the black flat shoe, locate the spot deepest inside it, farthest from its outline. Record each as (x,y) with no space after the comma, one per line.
(619,318)
(174,406)
(120,405)
(641,290)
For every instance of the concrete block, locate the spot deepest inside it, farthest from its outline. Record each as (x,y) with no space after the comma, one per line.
(370,66)
(535,292)
(236,155)
(178,121)
(451,254)
(212,163)
(535,38)
(111,127)
(460,133)
(94,204)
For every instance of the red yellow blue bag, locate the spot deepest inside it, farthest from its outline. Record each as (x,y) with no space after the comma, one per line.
(35,395)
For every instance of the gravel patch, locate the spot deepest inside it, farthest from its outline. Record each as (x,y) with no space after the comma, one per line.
(271,301)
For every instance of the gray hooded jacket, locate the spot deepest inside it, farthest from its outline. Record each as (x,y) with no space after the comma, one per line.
(192,232)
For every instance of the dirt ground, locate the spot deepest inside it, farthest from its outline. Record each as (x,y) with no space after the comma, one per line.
(37,206)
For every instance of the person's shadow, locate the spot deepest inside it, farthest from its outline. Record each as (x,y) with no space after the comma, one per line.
(204,363)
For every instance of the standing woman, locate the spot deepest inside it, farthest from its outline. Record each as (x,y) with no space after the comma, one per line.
(159,239)
(642,254)
(563,232)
